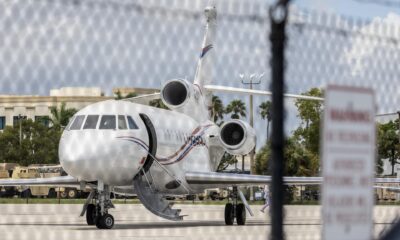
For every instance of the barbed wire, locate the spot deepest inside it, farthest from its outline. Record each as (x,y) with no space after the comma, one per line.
(386,3)
(138,8)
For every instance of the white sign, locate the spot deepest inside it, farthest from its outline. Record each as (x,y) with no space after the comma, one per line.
(348,155)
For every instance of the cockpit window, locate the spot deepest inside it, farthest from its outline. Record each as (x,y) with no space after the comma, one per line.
(132,124)
(91,122)
(77,124)
(70,123)
(122,122)
(107,122)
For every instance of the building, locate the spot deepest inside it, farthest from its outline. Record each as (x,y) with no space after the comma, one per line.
(14,107)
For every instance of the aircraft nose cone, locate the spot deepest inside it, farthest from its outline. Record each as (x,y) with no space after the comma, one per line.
(71,155)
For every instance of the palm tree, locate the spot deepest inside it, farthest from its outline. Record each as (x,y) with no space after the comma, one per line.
(60,116)
(158,103)
(216,109)
(237,108)
(265,112)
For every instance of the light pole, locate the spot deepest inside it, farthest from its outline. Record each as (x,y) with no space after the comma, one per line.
(251,82)
(254,79)
(20,129)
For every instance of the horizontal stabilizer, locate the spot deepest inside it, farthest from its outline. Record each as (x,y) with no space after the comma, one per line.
(217,88)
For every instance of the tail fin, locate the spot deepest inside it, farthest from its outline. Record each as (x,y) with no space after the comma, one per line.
(204,66)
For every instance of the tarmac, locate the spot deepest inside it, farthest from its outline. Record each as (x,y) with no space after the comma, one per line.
(133,221)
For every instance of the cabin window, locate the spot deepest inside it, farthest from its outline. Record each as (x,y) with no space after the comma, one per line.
(107,122)
(132,124)
(91,122)
(78,121)
(122,122)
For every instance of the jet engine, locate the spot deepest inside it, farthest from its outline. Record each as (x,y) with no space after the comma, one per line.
(237,137)
(182,96)
(177,93)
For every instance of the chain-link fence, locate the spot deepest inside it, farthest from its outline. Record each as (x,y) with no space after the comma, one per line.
(51,44)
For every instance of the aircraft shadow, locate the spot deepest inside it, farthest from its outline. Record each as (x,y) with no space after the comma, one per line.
(171,225)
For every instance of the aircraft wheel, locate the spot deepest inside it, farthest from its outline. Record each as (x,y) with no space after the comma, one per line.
(105,222)
(229,214)
(64,194)
(91,214)
(72,193)
(240,214)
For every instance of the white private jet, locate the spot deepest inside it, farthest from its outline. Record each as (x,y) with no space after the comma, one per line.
(129,148)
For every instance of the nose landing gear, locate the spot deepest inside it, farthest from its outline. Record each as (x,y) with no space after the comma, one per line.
(96,207)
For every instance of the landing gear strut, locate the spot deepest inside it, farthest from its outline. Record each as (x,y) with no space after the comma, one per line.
(96,207)
(235,210)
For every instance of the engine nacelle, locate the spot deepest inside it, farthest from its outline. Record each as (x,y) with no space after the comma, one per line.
(177,93)
(182,96)
(237,137)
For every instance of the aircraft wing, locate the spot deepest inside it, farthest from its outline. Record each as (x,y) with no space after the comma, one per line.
(389,188)
(217,88)
(143,99)
(62,181)
(229,179)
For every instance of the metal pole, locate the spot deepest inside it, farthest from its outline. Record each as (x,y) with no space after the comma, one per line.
(242,163)
(251,82)
(278,16)
(20,137)
(252,153)
(399,128)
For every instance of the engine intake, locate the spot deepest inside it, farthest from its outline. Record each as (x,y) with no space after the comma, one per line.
(182,96)
(237,137)
(176,93)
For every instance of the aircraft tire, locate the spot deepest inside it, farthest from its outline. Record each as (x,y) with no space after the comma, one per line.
(91,214)
(229,214)
(64,194)
(72,193)
(240,214)
(105,222)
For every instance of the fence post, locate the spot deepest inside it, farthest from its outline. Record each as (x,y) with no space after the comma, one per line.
(278,16)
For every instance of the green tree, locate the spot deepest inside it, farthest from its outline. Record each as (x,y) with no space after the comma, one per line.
(299,161)
(310,114)
(38,145)
(388,143)
(118,95)
(60,116)
(131,95)
(265,112)
(227,159)
(236,108)
(216,109)
(158,103)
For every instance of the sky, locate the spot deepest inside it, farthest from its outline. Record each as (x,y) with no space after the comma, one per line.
(355,8)
(124,43)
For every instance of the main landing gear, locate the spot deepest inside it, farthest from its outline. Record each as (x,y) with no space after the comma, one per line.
(235,210)
(96,207)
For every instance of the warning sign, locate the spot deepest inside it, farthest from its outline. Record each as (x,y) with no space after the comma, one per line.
(348,157)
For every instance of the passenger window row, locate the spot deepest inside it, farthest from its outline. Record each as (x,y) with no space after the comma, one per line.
(106,122)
